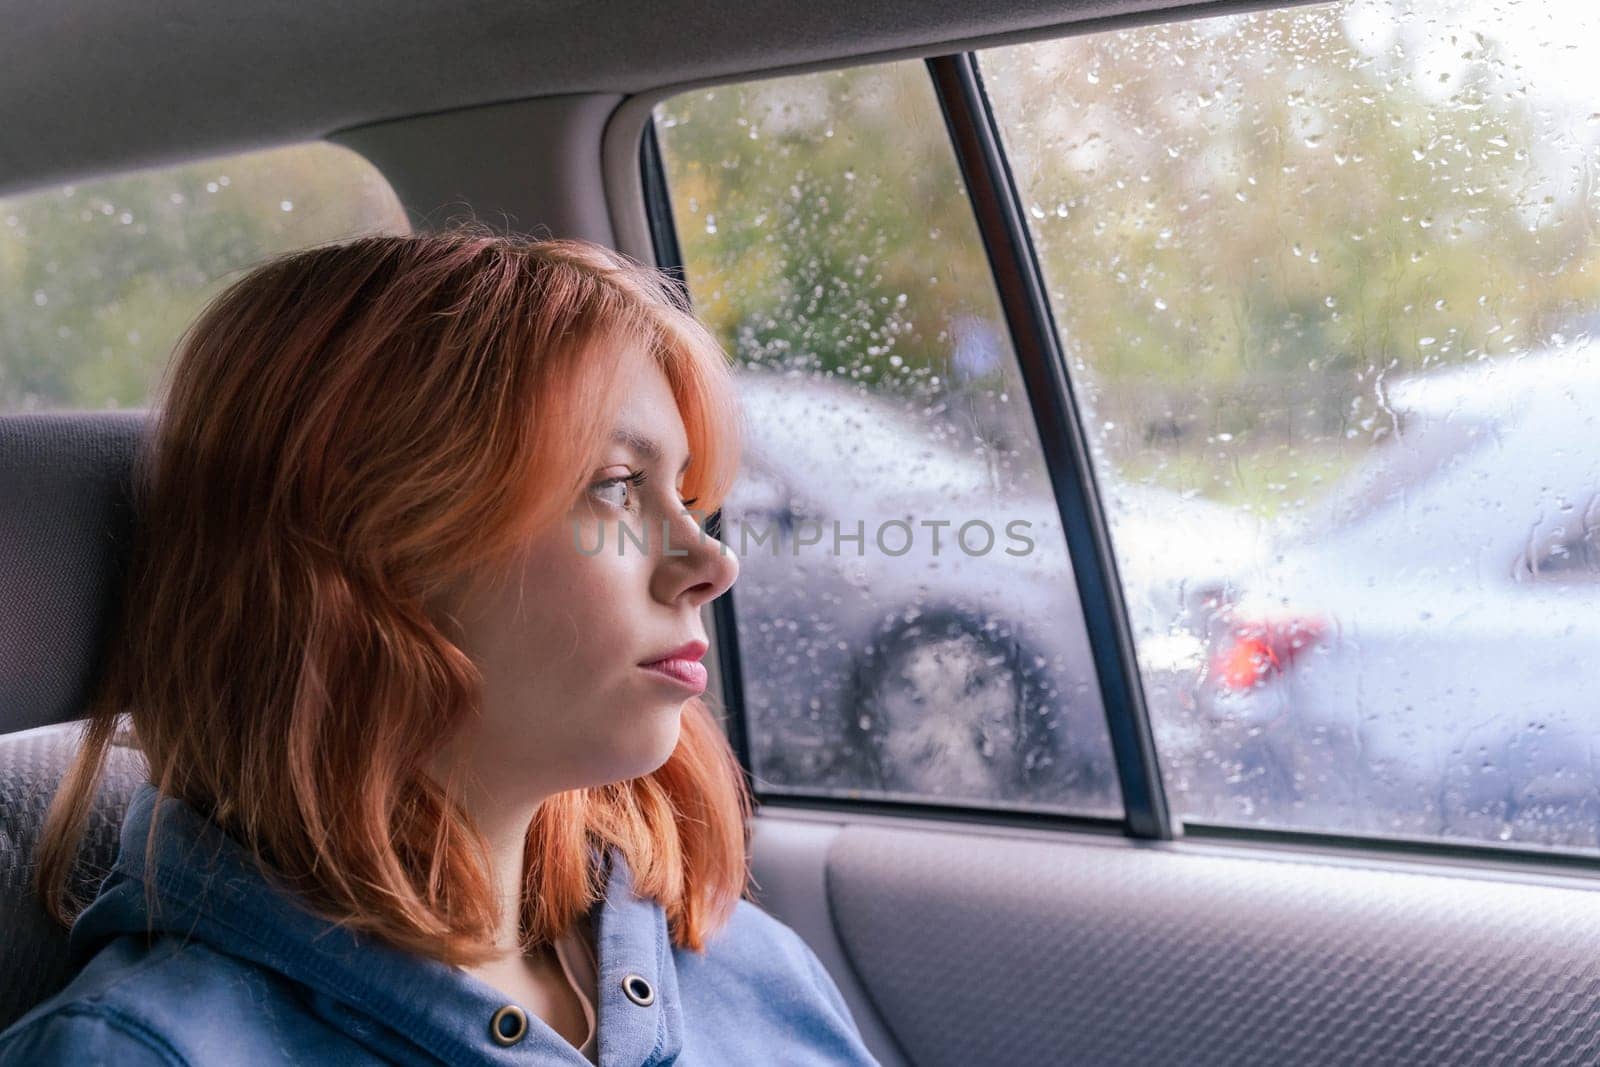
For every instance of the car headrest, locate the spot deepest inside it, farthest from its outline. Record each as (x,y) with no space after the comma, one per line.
(65,526)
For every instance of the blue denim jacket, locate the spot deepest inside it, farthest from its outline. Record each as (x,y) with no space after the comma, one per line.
(239,972)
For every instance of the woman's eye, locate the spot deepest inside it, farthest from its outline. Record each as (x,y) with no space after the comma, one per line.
(619,491)
(623,491)
(613,491)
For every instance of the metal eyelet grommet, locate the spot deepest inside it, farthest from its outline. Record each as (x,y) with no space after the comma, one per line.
(638,990)
(509,1025)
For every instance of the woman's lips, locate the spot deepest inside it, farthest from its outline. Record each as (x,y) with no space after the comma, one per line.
(688,673)
(682,667)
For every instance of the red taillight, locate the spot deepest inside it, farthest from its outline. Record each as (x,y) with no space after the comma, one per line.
(1259,648)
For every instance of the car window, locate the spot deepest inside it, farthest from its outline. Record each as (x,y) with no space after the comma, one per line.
(917,636)
(98,278)
(1328,268)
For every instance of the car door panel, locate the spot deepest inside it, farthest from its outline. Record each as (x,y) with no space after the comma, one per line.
(979,947)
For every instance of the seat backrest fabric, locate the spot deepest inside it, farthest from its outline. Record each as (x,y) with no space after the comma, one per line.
(65,527)
(33,947)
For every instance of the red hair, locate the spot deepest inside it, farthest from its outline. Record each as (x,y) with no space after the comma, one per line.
(342,433)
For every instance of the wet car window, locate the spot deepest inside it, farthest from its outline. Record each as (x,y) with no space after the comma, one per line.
(909,628)
(1330,269)
(99,278)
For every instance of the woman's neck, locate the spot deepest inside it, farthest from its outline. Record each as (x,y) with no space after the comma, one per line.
(507,833)
(504,826)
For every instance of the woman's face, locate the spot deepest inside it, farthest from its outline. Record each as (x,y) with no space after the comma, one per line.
(562,636)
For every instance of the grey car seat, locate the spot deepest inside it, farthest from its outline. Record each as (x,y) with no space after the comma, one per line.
(65,523)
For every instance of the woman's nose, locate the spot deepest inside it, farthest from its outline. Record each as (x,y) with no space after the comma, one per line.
(696,565)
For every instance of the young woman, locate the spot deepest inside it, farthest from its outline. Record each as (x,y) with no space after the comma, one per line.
(410,640)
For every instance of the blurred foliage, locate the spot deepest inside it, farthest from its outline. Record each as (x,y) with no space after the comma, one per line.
(825,229)
(98,279)
(1247,224)
(805,210)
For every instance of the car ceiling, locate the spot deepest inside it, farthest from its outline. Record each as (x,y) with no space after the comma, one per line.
(94,86)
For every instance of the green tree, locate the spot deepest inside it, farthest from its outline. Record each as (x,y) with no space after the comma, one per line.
(98,279)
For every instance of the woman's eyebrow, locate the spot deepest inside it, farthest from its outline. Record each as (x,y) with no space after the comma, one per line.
(645,447)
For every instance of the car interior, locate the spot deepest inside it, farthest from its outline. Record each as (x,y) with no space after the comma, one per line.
(1228,868)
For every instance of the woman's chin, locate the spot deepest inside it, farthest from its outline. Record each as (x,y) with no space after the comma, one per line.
(653,738)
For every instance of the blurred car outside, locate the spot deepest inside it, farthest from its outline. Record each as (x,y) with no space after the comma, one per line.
(937,671)
(1418,652)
